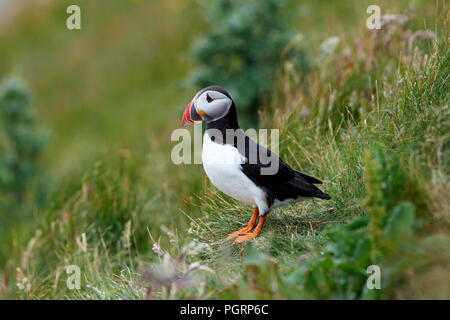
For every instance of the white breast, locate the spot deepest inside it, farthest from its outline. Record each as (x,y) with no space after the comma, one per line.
(222,164)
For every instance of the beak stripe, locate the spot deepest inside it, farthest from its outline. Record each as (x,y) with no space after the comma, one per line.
(187,120)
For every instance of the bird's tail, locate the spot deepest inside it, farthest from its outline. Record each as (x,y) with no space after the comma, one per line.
(306,183)
(322,195)
(307,178)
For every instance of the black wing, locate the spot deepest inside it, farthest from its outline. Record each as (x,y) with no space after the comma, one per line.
(285,183)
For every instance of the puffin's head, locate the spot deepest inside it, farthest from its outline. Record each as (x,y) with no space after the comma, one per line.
(209,104)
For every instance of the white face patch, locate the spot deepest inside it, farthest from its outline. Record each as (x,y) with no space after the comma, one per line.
(212,105)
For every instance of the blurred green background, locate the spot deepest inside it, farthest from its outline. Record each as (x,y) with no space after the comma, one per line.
(107,98)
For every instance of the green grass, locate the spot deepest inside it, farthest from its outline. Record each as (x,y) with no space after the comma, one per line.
(377,134)
(371,121)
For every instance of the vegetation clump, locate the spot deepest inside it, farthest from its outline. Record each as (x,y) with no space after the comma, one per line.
(368,115)
(242,49)
(22,141)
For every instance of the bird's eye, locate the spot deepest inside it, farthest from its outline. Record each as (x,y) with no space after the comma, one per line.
(208,98)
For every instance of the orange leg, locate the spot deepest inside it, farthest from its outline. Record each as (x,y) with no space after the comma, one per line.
(252,234)
(249,226)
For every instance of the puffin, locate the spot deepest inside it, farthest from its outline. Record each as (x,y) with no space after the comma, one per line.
(238,166)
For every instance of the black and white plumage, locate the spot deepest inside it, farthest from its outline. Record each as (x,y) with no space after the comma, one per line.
(234,163)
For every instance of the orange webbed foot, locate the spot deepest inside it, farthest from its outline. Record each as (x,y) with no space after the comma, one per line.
(244,237)
(239,232)
(253,234)
(246,229)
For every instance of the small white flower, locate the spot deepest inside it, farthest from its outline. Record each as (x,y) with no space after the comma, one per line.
(157,249)
(329,46)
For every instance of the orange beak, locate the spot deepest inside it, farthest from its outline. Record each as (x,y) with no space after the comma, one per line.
(187,120)
(191,115)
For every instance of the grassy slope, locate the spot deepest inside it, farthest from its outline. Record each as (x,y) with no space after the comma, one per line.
(375,97)
(94,191)
(110,96)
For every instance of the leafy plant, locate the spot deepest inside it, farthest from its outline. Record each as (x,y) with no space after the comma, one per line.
(242,49)
(381,150)
(370,119)
(338,271)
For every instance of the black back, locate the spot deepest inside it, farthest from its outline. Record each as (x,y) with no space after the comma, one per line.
(286,183)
